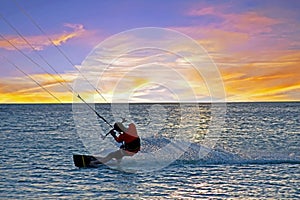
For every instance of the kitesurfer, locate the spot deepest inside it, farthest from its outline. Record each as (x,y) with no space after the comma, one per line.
(130,140)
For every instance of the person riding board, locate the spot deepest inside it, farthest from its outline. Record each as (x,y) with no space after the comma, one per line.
(130,140)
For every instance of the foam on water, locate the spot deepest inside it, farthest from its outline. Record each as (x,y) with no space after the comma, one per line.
(197,155)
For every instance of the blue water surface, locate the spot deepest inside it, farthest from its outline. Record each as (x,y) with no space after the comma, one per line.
(257,155)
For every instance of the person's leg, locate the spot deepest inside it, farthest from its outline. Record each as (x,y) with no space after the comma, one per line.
(116,154)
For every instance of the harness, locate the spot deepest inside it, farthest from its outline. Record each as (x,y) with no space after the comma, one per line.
(133,146)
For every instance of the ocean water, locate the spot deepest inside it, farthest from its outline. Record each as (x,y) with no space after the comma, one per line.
(255,154)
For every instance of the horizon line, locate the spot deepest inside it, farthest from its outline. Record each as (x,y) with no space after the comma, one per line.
(165,102)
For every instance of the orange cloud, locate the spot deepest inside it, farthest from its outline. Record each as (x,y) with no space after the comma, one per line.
(213,39)
(77,31)
(257,54)
(264,81)
(202,10)
(247,22)
(37,97)
(250,22)
(234,31)
(39,42)
(24,90)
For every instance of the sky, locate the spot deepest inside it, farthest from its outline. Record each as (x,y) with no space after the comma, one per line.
(45,46)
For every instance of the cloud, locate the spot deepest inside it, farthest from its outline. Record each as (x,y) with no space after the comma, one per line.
(229,28)
(229,18)
(62,38)
(256,51)
(39,42)
(250,22)
(202,11)
(24,90)
(214,39)
(264,81)
(143,69)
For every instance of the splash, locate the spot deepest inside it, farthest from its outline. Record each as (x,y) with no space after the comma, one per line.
(201,155)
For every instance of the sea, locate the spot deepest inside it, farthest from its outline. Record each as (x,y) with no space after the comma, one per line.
(232,151)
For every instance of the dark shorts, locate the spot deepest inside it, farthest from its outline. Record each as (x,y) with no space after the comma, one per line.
(133,146)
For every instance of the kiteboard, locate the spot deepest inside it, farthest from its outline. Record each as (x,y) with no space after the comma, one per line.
(84,160)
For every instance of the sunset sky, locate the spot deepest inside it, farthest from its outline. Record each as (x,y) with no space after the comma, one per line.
(255,45)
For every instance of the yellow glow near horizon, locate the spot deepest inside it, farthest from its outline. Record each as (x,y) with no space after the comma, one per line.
(274,80)
(239,86)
